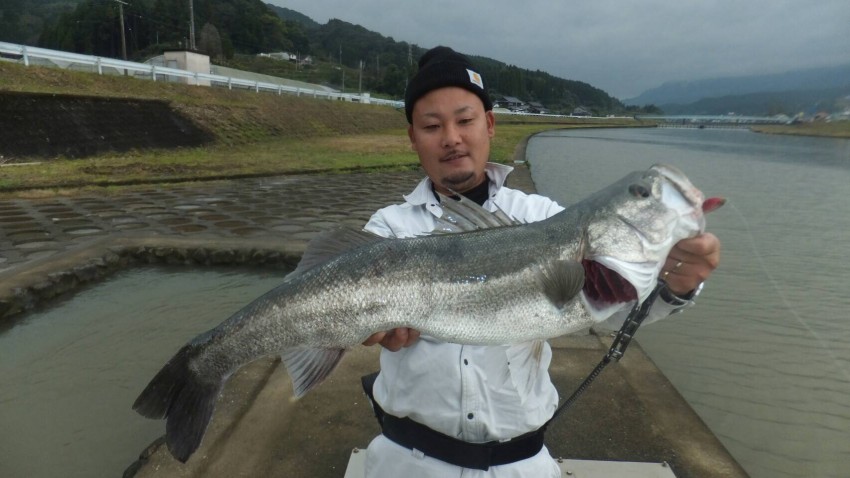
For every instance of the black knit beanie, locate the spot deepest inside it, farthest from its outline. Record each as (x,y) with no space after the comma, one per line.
(440,67)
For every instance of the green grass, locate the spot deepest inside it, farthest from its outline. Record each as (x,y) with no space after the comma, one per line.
(385,150)
(271,157)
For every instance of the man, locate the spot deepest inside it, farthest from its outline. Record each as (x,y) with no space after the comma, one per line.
(442,397)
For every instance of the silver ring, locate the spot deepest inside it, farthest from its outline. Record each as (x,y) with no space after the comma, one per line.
(677,266)
(664,275)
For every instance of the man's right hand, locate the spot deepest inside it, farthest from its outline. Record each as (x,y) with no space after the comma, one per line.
(394,339)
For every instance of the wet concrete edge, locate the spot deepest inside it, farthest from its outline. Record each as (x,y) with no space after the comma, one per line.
(39,282)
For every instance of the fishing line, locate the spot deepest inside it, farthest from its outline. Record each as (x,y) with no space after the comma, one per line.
(775,284)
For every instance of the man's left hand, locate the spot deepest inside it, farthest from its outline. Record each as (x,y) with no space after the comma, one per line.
(691,262)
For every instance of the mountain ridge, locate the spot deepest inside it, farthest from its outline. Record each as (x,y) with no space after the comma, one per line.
(685,92)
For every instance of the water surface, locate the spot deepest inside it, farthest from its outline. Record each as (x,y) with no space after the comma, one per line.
(70,373)
(764,357)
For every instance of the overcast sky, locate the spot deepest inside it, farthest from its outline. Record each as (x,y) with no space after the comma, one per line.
(622,46)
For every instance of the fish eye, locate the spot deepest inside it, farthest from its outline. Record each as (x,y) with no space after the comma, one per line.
(639,190)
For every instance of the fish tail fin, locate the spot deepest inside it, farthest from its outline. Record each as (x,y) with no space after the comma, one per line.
(185,399)
(309,367)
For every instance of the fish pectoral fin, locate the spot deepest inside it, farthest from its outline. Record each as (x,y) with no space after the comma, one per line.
(309,367)
(561,280)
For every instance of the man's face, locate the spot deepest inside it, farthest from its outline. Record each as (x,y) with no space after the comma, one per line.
(451,134)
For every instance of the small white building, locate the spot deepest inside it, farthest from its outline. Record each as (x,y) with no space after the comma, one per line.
(189,61)
(280,55)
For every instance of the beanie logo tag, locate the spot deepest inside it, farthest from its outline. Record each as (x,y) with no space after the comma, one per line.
(475,79)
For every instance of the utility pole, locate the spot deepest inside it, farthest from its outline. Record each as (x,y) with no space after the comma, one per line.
(360,80)
(123,40)
(192,25)
(341,69)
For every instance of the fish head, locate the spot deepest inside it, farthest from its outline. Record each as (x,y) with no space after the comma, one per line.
(630,229)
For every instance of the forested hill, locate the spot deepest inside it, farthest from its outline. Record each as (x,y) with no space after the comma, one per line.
(292,15)
(233,32)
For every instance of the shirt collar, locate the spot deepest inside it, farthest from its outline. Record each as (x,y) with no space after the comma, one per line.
(496,173)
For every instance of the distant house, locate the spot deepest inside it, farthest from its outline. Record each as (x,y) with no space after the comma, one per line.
(821,116)
(280,55)
(580,111)
(536,107)
(511,103)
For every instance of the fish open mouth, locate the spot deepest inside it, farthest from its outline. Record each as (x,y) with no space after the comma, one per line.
(603,286)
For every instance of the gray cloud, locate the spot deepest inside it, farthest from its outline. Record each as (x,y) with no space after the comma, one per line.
(623,47)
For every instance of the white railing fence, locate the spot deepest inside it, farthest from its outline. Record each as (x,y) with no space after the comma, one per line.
(29,55)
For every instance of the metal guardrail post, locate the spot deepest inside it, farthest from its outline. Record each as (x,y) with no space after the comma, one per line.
(153,72)
(257,86)
(99,66)
(26,56)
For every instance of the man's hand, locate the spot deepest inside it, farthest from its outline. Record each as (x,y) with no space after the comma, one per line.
(395,339)
(691,262)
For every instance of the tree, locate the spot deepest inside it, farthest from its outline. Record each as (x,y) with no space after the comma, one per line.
(10,16)
(210,41)
(394,81)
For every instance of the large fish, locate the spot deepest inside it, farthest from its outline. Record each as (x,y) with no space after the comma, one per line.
(490,281)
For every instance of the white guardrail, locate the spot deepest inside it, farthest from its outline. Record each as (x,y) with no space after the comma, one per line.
(143,70)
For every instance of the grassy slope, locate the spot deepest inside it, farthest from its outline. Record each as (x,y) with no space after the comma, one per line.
(256,134)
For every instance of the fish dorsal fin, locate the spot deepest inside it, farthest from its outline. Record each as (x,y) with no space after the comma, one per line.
(308,367)
(464,215)
(561,280)
(331,243)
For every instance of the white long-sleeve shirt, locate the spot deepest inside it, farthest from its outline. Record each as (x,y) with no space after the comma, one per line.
(473,393)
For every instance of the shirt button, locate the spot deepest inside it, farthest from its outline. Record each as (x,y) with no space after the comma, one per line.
(470,416)
(465,362)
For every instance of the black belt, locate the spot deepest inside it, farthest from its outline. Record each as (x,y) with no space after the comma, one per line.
(480,456)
